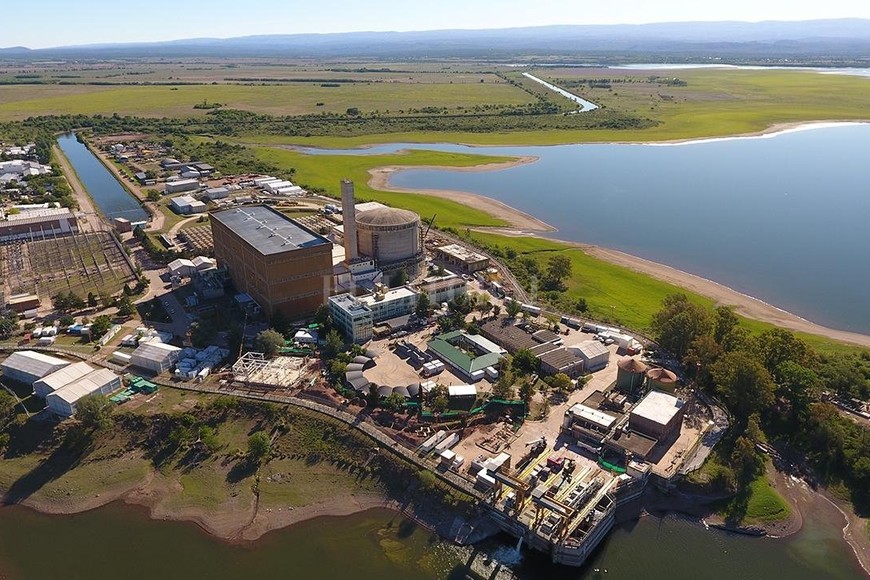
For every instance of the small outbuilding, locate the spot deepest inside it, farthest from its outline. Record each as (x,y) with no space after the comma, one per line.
(28,366)
(594,354)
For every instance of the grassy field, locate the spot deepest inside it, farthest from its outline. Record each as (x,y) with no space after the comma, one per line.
(325,171)
(714,103)
(22,101)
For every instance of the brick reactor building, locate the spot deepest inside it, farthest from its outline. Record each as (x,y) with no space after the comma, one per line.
(284,266)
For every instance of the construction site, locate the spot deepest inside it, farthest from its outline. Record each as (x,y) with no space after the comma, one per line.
(562,504)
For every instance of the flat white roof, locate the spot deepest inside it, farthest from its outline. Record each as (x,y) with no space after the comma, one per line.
(658,407)
(484,343)
(368,206)
(462,253)
(389,296)
(592,415)
(462,391)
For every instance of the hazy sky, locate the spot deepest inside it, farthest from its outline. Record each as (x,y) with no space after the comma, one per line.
(65,22)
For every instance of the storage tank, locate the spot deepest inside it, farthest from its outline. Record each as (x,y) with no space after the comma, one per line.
(629,375)
(661,379)
(388,234)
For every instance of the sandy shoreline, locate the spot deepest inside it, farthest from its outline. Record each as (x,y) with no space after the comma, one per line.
(231,525)
(518,220)
(522,223)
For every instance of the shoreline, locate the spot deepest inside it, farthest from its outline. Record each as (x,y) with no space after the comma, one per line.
(233,526)
(379,179)
(523,224)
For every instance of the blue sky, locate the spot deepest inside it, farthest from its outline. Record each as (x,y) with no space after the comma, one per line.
(65,22)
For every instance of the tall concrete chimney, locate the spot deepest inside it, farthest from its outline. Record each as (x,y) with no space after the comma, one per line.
(348,216)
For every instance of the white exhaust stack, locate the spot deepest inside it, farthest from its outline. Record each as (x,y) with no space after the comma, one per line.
(348,216)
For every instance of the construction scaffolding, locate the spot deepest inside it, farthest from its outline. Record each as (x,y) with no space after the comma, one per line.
(254,369)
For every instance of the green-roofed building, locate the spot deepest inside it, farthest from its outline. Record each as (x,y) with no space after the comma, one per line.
(468,355)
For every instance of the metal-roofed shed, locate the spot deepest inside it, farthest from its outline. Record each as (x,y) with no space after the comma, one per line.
(60,378)
(28,366)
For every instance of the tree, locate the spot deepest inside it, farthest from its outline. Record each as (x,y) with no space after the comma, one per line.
(724,323)
(440,404)
(94,412)
(496,310)
(558,268)
(777,345)
(581,306)
(269,342)
(7,408)
(513,308)
(395,402)
(280,323)
(678,323)
(400,278)
(208,439)
(8,324)
(153,195)
(92,300)
(561,382)
(259,446)
(424,305)
(75,302)
(524,362)
(702,354)
(744,384)
(333,344)
(100,326)
(527,391)
(126,308)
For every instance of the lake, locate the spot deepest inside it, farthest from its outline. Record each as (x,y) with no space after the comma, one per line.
(781,217)
(108,194)
(120,541)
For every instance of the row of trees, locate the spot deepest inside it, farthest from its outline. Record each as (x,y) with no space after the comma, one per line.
(772,384)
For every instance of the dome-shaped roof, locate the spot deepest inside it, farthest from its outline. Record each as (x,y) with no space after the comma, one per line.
(661,375)
(387,216)
(631,365)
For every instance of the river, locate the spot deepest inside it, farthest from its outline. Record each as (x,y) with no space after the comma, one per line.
(121,541)
(780,217)
(108,194)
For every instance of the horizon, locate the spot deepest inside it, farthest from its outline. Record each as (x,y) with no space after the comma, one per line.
(105,23)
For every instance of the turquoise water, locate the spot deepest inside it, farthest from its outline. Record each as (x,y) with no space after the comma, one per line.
(109,196)
(782,218)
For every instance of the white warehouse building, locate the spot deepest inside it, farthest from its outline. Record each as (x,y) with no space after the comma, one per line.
(156,357)
(63,401)
(187,204)
(61,378)
(28,366)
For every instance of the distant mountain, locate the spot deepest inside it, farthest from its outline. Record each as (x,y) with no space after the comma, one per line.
(828,38)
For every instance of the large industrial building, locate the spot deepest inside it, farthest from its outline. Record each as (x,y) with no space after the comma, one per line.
(63,401)
(28,366)
(282,265)
(37,225)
